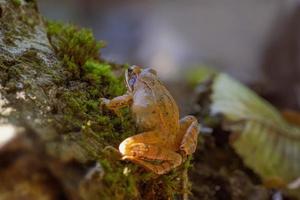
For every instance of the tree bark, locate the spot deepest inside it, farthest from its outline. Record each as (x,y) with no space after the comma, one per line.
(29,73)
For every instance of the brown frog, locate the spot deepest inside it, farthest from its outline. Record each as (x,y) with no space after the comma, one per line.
(164,140)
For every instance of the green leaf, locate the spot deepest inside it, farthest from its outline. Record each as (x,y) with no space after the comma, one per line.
(267,143)
(199,74)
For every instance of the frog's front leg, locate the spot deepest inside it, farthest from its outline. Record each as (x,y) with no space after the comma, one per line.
(118,102)
(189,128)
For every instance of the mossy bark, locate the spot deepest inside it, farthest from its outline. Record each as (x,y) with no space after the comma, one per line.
(51,79)
(29,70)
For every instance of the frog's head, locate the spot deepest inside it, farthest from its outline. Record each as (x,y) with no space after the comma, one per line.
(132,74)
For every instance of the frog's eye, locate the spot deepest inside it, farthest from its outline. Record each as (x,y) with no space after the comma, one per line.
(132,81)
(134,69)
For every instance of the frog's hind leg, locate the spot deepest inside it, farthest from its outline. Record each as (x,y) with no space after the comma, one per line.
(188,133)
(148,137)
(143,149)
(147,155)
(189,128)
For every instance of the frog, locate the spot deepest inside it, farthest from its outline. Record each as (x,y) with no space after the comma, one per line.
(164,141)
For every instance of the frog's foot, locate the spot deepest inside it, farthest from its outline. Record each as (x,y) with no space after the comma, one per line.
(154,158)
(161,168)
(190,129)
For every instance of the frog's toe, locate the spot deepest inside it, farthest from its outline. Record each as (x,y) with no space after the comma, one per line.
(104,101)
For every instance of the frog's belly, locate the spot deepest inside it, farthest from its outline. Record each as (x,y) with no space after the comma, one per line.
(146,117)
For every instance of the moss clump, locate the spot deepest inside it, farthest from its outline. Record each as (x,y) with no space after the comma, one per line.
(101,73)
(73,45)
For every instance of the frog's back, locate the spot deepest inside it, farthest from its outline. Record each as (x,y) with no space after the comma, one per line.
(159,109)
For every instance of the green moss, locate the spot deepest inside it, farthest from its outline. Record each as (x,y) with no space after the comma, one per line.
(119,181)
(17,2)
(199,74)
(101,73)
(73,45)
(93,70)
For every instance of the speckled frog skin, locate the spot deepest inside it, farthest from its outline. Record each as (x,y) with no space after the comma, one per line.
(163,138)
